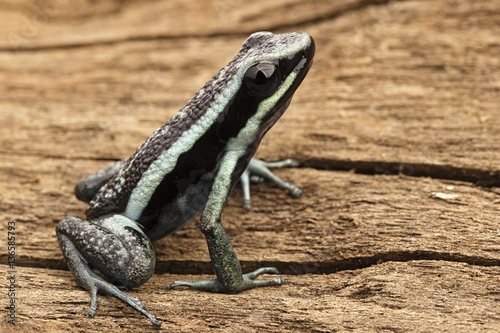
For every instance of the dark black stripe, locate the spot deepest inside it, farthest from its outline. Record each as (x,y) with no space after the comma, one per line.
(204,157)
(193,111)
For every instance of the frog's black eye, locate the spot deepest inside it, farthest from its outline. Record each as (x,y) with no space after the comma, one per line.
(262,80)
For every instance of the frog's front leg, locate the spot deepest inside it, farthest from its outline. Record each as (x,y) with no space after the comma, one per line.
(261,169)
(114,245)
(230,278)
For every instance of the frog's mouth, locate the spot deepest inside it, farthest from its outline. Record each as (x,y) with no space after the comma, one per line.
(274,116)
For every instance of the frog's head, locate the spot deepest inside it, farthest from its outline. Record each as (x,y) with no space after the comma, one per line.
(276,66)
(263,78)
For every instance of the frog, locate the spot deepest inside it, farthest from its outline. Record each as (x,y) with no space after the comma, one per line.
(186,167)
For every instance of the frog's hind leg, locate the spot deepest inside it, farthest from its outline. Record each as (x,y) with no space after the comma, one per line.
(114,245)
(261,169)
(88,187)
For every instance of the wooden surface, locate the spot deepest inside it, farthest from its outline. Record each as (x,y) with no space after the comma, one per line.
(396,127)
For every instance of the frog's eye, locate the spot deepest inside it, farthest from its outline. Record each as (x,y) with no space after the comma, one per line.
(262,80)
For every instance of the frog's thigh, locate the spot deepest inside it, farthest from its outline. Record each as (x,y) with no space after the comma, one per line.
(114,245)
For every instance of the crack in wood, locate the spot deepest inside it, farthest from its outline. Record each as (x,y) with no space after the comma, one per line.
(198,267)
(328,15)
(484,178)
(479,177)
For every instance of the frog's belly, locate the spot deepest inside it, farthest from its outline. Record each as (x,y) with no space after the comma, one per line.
(179,211)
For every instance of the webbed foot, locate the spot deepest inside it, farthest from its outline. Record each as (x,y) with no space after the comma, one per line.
(94,284)
(248,282)
(258,170)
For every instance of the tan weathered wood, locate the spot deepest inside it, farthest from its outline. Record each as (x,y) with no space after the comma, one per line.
(62,23)
(405,86)
(423,296)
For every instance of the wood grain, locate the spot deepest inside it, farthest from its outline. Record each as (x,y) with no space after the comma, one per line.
(396,129)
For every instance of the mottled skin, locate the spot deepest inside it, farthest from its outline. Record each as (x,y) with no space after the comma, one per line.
(188,165)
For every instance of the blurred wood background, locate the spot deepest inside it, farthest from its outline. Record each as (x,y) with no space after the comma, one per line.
(396,129)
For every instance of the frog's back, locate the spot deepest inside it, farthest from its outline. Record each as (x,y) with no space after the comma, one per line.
(181,155)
